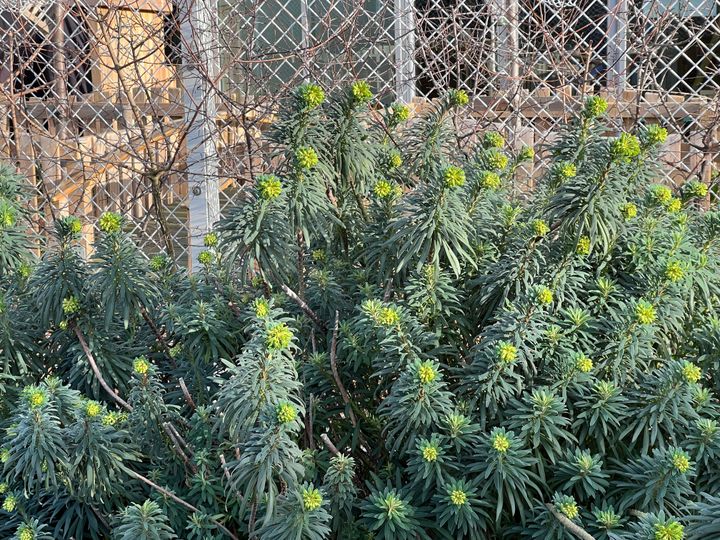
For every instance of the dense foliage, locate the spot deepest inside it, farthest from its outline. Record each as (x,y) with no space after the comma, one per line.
(385,340)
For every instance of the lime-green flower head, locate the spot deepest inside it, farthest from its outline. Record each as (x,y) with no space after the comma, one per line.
(388,316)
(92,409)
(399,112)
(458,98)
(285,412)
(35,396)
(671,530)
(70,305)
(674,206)
(72,225)
(506,352)
(458,497)
(625,147)
(112,418)
(697,189)
(565,170)
(661,194)
(210,240)
(490,180)
(269,186)
(10,503)
(383,189)
(8,213)
(262,308)
(680,461)
(496,160)
(595,106)
(159,262)
(426,372)
(429,451)
(318,255)
(141,365)
(361,92)
(311,96)
(500,440)
(566,505)
(454,177)
(4,455)
(205,258)
(645,312)
(540,227)
(312,499)
(24,270)
(674,271)
(583,363)
(583,246)
(278,337)
(629,211)
(25,532)
(393,159)
(3,488)
(655,135)
(306,158)
(527,153)
(690,372)
(110,222)
(493,139)
(544,296)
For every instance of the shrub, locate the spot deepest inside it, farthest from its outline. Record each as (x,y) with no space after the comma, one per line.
(385,339)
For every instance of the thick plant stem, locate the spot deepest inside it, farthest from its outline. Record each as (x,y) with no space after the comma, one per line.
(179,501)
(96,370)
(574,528)
(304,307)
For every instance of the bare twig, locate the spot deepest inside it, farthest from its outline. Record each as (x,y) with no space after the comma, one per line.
(336,374)
(178,500)
(186,393)
(304,307)
(96,370)
(329,445)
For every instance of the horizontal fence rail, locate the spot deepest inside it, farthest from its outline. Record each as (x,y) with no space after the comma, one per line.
(157,108)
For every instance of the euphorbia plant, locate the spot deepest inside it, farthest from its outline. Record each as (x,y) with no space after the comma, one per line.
(385,338)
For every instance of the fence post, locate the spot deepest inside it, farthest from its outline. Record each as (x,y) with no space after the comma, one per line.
(505,17)
(404,50)
(617,45)
(200,68)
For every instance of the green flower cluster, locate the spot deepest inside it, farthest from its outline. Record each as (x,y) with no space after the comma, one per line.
(681,461)
(595,106)
(583,246)
(285,412)
(655,134)
(674,271)
(507,352)
(645,312)
(8,214)
(311,95)
(159,262)
(205,258)
(672,530)
(70,305)
(92,409)
(625,147)
(490,180)
(690,372)
(454,177)
(629,211)
(527,153)
(493,139)
(458,98)
(430,452)
(567,506)
(565,170)
(278,337)
(399,112)
(141,365)
(361,92)
(110,222)
(496,160)
(458,497)
(73,225)
(697,189)
(306,158)
(500,440)
(261,307)
(583,363)
(426,372)
(312,499)
(540,227)
(383,189)
(210,240)
(270,187)
(544,295)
